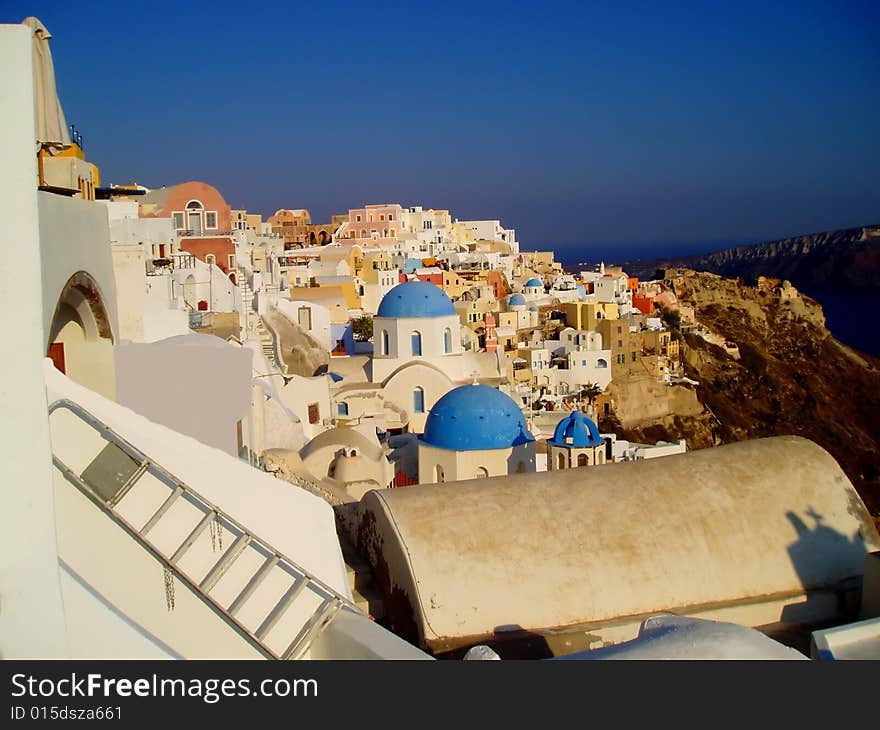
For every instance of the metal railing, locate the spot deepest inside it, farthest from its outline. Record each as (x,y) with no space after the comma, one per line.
(329,607)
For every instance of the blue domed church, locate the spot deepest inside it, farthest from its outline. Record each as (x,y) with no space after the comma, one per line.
(417,358)
(576,442)
(474,431)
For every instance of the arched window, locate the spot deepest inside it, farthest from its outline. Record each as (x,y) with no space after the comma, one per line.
(342,409)
(385,342)
(194,205)
(482,472)
(210,259)
(447,340)
(582,459)
(601,363)
(418,400)
(416,340)
(438,474)
(560,461)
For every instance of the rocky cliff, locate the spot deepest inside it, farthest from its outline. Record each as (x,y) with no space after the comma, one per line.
(843,259)
(790,377)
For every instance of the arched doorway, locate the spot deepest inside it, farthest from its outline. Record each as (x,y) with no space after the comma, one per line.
(189,291)
(80,340)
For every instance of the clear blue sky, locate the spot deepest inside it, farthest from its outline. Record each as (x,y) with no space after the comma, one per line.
(632,128)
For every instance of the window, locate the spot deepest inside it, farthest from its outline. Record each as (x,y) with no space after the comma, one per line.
(447,340)
(418,400)
(194,205)
(391,217)
(314,413)
(211,219)
(382,217)
(392,233)
(427,225)
(634,357)
(358,218)
(601,363)
(560,461)
(342,409)
(210,259)
(231,261)
(178,220)
(582,459)
(416,342)
(385,344)
(482,472)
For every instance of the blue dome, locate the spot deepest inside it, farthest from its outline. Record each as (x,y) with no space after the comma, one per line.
(515,300)
(474,418)
(534,282)
(580,429)
(415,299)
(533,308)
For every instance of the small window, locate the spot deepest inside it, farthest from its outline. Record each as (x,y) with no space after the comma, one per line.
(231,261)
(314,413)
(211,219)
(210,259)
(418,400)
(357,218)
(582,460)
(416,342)
(342,409)
(194,205)
(385,342)
(178,221)
(447,340)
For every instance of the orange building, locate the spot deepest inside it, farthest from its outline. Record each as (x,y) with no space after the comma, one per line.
(196,208)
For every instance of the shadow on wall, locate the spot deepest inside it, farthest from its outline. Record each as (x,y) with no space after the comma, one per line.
(812,554)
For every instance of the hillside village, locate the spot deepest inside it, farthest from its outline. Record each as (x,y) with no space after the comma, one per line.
(249,438)
(357,328)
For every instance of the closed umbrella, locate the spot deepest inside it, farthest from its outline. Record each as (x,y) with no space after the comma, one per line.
(51,126)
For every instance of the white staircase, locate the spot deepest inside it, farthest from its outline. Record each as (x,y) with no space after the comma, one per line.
(269,600)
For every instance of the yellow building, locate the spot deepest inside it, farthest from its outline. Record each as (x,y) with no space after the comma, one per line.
(454,285)
(587,315)
(371,263)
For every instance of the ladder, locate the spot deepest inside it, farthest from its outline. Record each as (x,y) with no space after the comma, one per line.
(331,603)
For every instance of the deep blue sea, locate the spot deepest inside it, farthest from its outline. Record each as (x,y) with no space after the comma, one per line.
(850,317)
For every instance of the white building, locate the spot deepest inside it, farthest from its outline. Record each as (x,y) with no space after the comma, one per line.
(492,231)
